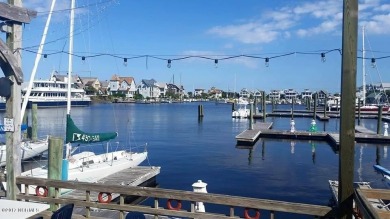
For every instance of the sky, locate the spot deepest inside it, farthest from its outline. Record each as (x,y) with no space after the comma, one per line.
(193,34)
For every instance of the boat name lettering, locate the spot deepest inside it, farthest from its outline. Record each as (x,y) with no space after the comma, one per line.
(85,137)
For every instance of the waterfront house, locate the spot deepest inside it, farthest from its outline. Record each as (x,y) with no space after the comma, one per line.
(275,95)
(290,95)
(122,85)
(198,92)
(306,94)
(215,93)
(103,89)
(173,89)
(322,97)
(257,94)
(149,88)
(244,93)
(163,87)
(91,85)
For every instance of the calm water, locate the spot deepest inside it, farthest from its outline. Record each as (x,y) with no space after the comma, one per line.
(188,149)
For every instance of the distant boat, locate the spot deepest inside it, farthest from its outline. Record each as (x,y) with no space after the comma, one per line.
(242,111)
(53,93)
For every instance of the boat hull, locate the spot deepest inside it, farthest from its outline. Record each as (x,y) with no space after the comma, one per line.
(59,103)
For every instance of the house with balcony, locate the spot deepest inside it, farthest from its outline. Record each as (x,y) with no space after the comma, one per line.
(306,94)
(149,89)
(91,85)
(215,93)
(163,87)
(122,85)
(244,93)
(275,95)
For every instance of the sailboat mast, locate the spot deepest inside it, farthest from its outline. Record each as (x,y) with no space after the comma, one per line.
(364,69)
(70,55)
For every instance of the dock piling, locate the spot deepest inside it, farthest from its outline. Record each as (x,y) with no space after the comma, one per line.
(34,127)
(359,111)
(200,111)
(55,165)
(251,117)
(315,106)
(378,126)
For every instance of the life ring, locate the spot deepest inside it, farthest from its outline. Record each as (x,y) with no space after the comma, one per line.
(103,200)
(169,204)
(247,216)
(38,193)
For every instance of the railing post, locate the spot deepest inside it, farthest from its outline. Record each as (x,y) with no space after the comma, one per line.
(88,199)
(121,203)
(55,163)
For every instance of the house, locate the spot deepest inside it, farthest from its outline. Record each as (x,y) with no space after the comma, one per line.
(306,94)
(198,92)
(149,88)
(91,85)
(163,88)
(122,85)
(215,93)
(322,97)
(258,94)
(290,95)
(103,90)
(244,93)
(275,95)
(173,89)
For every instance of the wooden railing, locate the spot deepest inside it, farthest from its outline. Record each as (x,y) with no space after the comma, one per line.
(233,202)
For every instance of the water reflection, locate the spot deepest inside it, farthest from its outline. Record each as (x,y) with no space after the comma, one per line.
(313,152)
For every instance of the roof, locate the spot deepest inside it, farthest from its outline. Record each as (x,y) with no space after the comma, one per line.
(149,83)
(128,80)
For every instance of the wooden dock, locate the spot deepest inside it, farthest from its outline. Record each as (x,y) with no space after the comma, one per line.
(251,135)
(129,177)
(322,117)
(362,135)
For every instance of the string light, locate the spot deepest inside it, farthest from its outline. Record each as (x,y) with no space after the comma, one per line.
(216,63)
(169,63)
(83,59)
(323,58)
(125,61)
(373,63)
(45,56)
(267,62)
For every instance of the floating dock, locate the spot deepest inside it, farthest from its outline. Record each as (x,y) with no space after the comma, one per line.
(129,177)
(362,135)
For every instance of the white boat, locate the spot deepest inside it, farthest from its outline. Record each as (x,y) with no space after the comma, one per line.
(29,149)
(242,111)
(54,91)
(87,166)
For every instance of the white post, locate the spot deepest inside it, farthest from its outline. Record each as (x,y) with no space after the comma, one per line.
(385,126)
(200,187)
(292,123)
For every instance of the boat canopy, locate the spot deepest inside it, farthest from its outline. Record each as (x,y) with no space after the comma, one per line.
(75,135)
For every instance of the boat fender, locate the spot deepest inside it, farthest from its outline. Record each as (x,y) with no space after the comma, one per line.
(103,200)
(38,192)
(247,216)
(170,207)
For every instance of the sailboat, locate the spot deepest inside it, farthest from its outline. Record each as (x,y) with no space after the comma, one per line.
(87,166)
(372,106)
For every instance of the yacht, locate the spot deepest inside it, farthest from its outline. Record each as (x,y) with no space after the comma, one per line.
(53,93)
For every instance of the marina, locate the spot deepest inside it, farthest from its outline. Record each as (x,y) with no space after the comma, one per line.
(219,163)
(213,145)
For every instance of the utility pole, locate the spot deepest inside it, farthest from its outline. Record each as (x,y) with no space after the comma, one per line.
(13,110)
(348,96)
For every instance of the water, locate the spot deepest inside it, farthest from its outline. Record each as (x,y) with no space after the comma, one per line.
(189,149)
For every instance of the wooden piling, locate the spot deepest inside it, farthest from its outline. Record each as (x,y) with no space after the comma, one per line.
(292,108)
(325,102)
(273,105)
(200,111)
(56,146)
(379,121)
(34,119)
(251,117)
(359,104)
(263,107)
(315,107)
(347,117)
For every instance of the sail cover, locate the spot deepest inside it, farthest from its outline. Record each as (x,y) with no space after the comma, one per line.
(74,134)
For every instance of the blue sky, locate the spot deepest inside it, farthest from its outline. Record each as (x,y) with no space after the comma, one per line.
(216,29)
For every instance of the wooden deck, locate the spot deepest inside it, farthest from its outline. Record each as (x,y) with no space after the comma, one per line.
(251,136)
(130,177)
(362,135)
(322,117)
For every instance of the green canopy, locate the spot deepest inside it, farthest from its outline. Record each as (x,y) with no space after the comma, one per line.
(74,134)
